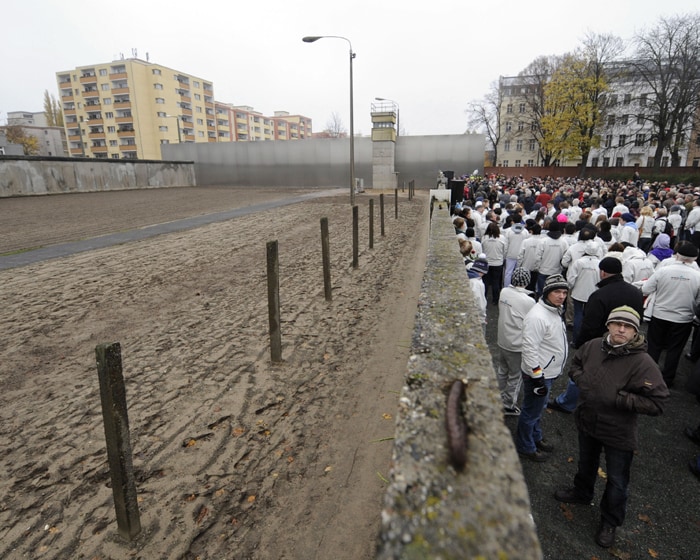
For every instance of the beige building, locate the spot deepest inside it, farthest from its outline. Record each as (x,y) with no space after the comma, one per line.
(242,123)
(127,108)
(51,140)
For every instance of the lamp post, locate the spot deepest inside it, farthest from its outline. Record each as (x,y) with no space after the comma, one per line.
(398,122)
(177,118)
(311,39)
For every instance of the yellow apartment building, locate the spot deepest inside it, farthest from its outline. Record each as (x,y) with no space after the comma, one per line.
(242,123)
(127,108)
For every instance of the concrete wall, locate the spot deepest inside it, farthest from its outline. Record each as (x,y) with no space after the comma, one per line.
(38,176)
(324,162)
(431,510)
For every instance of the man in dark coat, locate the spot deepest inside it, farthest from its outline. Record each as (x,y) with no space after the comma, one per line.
(612,292)
(617,380)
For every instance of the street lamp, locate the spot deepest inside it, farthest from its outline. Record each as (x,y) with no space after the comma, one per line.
(177,118)
(398,127)
(311,39)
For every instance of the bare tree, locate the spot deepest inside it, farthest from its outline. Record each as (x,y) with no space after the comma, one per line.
(666,70)
(485,116)
(335,126)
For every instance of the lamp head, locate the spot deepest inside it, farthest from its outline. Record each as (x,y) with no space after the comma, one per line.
(311,39)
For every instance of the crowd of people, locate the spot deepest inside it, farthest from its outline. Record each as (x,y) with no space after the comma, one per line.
(599,259)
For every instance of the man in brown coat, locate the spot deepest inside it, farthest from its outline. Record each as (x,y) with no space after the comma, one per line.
(617,380)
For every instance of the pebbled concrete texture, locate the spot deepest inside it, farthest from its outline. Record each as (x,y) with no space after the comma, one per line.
(432,510)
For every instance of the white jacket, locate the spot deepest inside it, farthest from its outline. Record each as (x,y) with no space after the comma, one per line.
(578,249)
(495,249)
(527,258)
(549,254)
(514,236)
(544,341)
(692,222)
(513,304)
(479,290)
(636,265)
(582,276)
(677,291)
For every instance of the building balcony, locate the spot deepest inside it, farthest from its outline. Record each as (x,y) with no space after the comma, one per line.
(67,96)
(119,76)
(116,91)
(124,119)
(126,133)
(186,111)
(93,122)
(127,147)
(88,79)
(99,135)
(122,104)
(99,149)
(76,151)
(69,111)
(74,138)
(185,97)
(90,94)
(189,138)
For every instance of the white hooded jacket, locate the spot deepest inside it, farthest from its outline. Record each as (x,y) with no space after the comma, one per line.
(544,341)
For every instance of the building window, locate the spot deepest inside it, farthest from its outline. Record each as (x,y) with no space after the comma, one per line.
(104,87)
(163,129)
(650,162)
(111,129)
(613,99)
(643,100)
(195,83)
(509,109)
(158,86)
(696,162)
(639,139)
(594,162)
(531,163)
(156,71)
(197,97)
(521,126)
(531,145)
(505,163)
(611,120)
(509,126)
(519,146)
(161,114)
(608,140)
(664,161)
(113,143)
(618,162)
(200,134)
(506,146)
(622,140)
(627,99)
(517,163)
(103,71)
(640,119)
(107,101)
(198,109)
(200,122)
(109,115)
(160,101)
(521,108)
(623,119)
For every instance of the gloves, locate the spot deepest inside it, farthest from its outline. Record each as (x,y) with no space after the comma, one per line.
(539,388)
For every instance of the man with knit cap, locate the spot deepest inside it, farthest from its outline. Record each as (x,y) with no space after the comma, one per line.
(544,352)
(612,292)
(513,305)
(676,289)
(617,380)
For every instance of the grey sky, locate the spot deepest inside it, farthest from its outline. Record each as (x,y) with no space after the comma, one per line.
(430,57)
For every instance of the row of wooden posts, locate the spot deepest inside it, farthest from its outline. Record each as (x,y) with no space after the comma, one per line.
(111,378)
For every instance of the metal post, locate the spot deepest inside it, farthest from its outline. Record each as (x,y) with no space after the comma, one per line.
(326,254)
(381,213)
(355,237)
(371,223)
(273,301)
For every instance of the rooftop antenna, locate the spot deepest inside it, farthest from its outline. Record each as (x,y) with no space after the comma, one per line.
(147,59)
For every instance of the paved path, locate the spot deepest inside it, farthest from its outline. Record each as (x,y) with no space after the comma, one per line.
(77,220)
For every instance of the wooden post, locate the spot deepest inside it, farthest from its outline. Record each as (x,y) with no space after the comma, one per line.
(121,467)
(326,252)
(273,301)
(371,223)
(396,204)
(355,237)
(381,214)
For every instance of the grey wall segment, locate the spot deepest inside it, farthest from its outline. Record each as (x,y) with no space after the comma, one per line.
(37,176)
(324,162)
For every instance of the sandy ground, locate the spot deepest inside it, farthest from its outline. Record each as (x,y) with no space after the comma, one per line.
(235,457)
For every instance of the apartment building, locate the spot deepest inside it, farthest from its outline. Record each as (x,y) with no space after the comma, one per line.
(242,123)
(127,108)
(626,134)
(50,139)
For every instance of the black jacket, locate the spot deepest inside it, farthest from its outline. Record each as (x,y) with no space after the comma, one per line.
(612,292)
(616,384)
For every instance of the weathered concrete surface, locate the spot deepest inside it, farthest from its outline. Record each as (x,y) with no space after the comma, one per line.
(37,176)
(431,510)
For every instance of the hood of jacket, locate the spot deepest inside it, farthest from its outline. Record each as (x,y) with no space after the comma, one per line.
(554,234)
(518,228)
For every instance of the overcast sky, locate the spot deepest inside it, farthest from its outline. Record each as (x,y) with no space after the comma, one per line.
(432,57)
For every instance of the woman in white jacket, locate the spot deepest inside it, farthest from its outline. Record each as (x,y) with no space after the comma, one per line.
(583,276)
(494,246)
